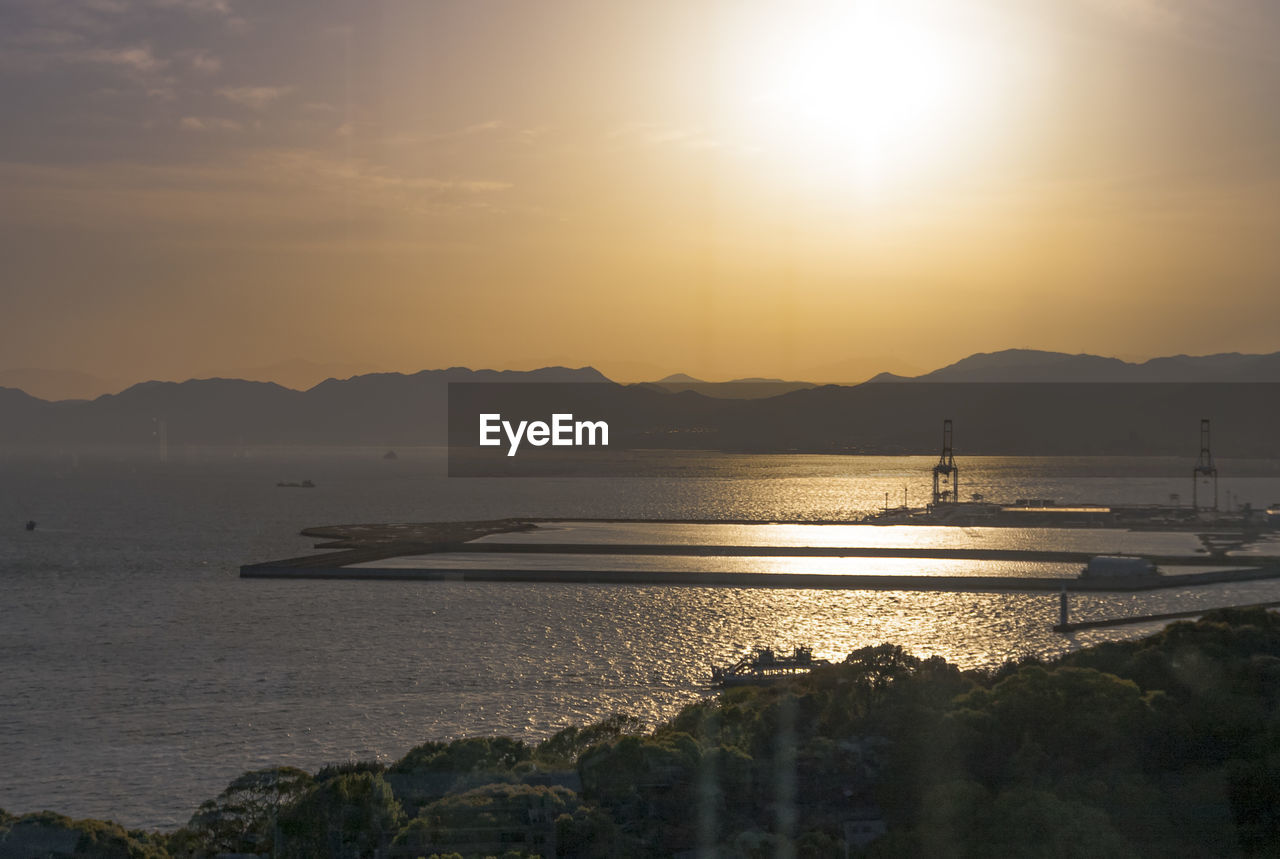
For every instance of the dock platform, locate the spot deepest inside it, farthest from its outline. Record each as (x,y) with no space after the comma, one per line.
(746,554)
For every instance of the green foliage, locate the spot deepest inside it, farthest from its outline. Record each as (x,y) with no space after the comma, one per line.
(564,747)
(587,832)
(45,833)
(242,818)
(649,784)
(1071,717)
(1254,791)
(433,770)
(963,819)
(347,816)
(491,819)
(1220,678)
(329,771)
(881,665)
(475,754)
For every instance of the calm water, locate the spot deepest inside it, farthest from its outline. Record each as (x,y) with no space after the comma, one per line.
(139,674)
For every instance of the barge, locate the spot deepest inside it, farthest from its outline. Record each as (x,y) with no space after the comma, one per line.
(763,666)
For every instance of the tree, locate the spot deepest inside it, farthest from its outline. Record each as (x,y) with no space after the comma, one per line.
(350,815)
(242,818)
(45,833)
(489,818)
(563,748)
(474,754)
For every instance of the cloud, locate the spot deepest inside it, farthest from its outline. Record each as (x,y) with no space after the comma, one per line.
(255,97)
(251,195)
(534,134)
(204,62)
(44,37)
(362,175)
(218,7)
(139,59)
(472,130)
(110,7)
(660,134)
(122,7)
(479,128)
(209,123)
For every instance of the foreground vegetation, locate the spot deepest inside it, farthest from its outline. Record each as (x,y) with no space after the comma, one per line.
(1167,746)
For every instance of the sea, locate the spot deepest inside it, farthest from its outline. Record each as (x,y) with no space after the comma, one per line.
(139,674)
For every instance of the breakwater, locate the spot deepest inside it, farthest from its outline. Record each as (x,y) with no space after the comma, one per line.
(478,552)
(818,581)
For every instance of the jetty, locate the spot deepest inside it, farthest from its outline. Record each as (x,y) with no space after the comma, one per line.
(694,553)
(1159,617)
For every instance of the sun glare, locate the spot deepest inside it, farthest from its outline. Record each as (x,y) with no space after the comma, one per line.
(870,90)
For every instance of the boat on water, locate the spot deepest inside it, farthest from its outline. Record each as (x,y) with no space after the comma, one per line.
(1119,567)
(306,484)
(762,666)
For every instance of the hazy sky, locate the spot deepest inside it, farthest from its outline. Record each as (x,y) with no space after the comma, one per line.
(797,189)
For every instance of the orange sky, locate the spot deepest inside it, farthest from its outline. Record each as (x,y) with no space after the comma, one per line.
(805,189)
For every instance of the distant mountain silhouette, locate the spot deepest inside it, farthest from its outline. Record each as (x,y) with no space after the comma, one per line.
(855,370)
(57,384)
(381,408)
(1028,365)
(995,416)
(686,379)
(14,398)
(1031,365)
(737,389)
(1228,366)
(296,373)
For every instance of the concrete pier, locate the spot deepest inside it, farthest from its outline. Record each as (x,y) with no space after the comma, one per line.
(366,545)
(323,568)
(1148,618)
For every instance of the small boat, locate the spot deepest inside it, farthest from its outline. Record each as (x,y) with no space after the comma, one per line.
(763,666)
(306,484)
(391,454)
(1118,567)
(31,524)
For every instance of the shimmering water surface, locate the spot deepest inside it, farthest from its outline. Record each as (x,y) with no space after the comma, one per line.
(139,674)
(722,564)
(1095,540)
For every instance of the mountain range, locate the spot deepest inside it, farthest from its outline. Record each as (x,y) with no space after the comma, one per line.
(1030,365)
(1017,401)
(379,408)
(1010,365)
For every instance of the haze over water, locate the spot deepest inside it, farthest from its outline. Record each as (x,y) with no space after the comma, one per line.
(139,674)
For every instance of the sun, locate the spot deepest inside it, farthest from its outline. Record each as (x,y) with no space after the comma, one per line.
(871,90)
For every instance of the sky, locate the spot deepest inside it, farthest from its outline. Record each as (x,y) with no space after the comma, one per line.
(725,188)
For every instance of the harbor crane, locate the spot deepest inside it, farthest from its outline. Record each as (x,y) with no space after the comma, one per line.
(946,477)
(1204,469)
